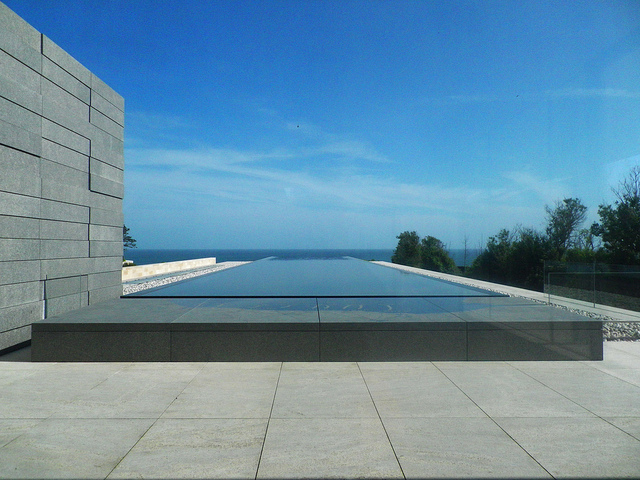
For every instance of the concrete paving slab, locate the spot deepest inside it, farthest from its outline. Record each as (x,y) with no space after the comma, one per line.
(630,348)
(228,390)
(132,392)
(70,448)
(420,391)
(327,448)
(12,428)
(190,448)
(620,364)
(458,448)
(45,392)
(629,425)
(576,447)
(506,391)
(333,390)
(597,391)
(431,439)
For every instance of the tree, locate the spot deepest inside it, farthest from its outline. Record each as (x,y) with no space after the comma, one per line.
(492,263)
(563,223)
(408,250)
(430,253)
(127,240)
(513,259)
(619,226)
(434,256)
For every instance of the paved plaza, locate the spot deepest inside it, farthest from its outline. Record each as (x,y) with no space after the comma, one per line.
(319,420)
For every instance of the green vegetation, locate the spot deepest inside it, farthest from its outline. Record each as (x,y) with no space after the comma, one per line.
(516,257)
(127,240)
(429,253)
(619,226)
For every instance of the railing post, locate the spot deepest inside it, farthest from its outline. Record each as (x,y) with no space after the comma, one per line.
(594,284)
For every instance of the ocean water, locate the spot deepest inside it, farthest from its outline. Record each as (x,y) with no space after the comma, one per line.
(147,256)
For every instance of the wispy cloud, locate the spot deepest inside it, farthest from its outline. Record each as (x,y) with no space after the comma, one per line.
(547,190)
(593,92)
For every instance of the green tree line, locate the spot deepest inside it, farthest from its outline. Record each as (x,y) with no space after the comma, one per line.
(516,257)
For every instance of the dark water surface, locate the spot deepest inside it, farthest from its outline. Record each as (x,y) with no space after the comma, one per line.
(317,277)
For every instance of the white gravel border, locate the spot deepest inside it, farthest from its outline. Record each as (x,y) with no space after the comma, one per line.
(137,286)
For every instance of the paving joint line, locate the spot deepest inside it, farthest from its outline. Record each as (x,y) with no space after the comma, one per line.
(582,406)
(266,430)
(494,421)
(381,421)
(153,423)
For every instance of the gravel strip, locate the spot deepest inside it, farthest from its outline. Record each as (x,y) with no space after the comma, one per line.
(128,288)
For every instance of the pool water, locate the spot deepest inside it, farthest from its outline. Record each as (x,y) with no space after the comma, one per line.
(312,278)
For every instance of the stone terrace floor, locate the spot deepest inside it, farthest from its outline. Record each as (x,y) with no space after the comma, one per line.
(319,420)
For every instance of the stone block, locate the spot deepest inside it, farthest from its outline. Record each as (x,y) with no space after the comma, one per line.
(392,346)
(64,109)
(17,93)
(15,336)
(98,281)
(20,293)
(70,194)
(19,72)
(20,315)
(54,230)
(104,186)
(19,205)
(51,249)
(105,249)
(64,176)
(247,346)
(63,136)
(104,264)
(105,233)
(65,80)
(102,169)
(105,107)
(19,172)
(64,304)
(62,287)
(106,92)
(101,346)
(65,267)
(19,228)
(99,200)
(16,137)
(65,212)
(61,58)
(100,216)
(20,117)
(103,294)
(19,249)
(516,342)
(11,23)
(107,148)
(64,156)
(105,123)
(19,272)
(20,50)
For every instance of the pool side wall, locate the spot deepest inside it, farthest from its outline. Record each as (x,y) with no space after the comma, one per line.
(147,330)
(61,182)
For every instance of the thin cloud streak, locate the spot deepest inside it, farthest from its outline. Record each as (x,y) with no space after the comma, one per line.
(226,175)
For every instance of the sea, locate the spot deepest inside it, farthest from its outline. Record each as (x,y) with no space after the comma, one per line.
(147,256)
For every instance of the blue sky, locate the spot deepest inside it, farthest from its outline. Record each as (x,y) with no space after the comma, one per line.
(322,124)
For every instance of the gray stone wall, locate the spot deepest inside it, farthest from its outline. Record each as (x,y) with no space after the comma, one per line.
(61,182)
